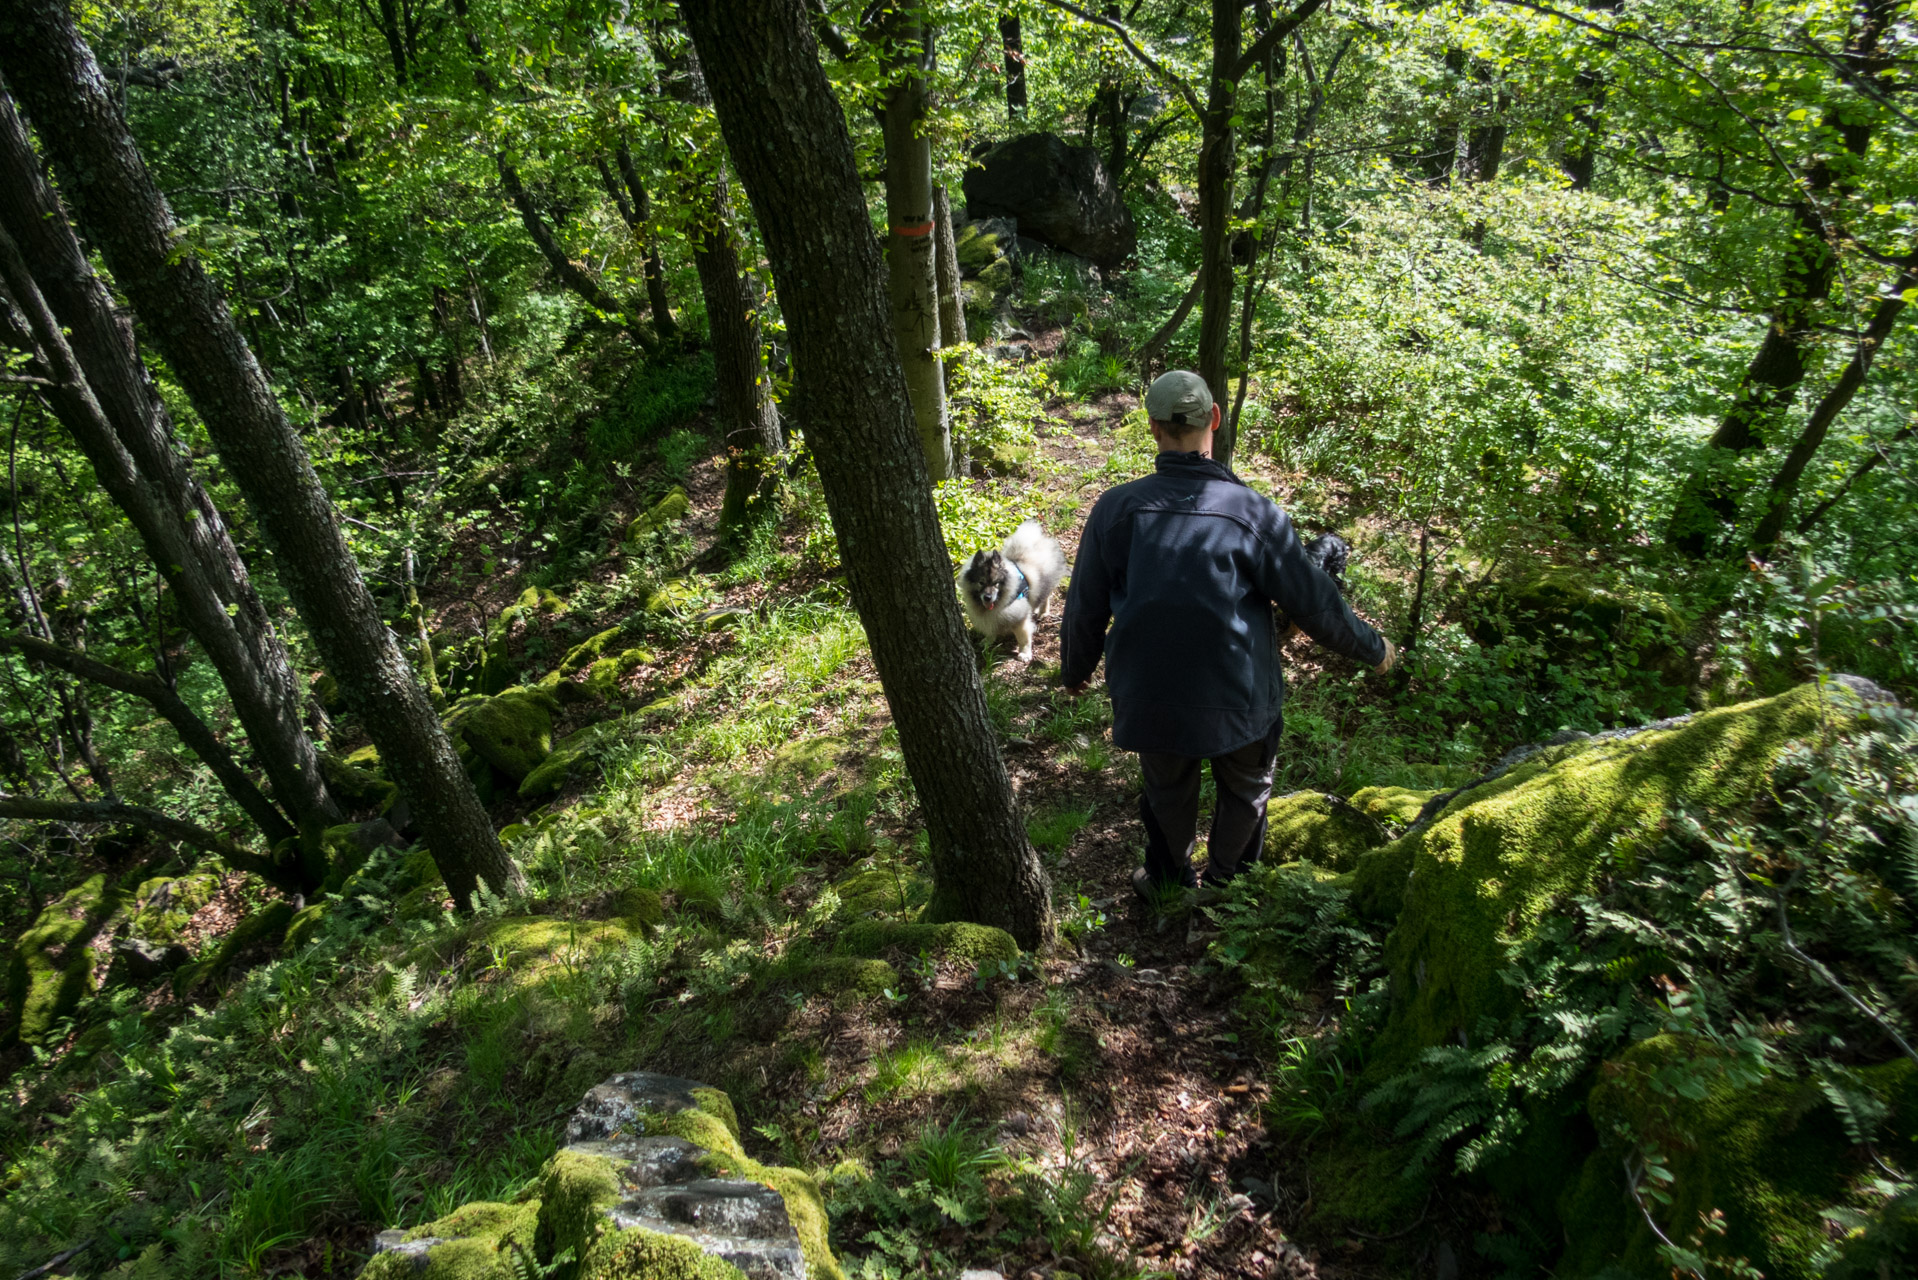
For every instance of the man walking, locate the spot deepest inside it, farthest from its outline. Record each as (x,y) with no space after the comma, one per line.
(1186,565)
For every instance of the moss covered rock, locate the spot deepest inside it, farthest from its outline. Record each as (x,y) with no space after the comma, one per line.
(1485,872)
(527,948)
(1397,806)
(304,926)
(511,731)
(161,906)
(357,786)
(1567,609)
(881,891)
(675,595)
(571,756)
(1310,826)
(959,943)
(1772,1156)
(478,1241)
(977,248)
(638,1254)
(52,966)
(663,514)
(640,908)
(587,651)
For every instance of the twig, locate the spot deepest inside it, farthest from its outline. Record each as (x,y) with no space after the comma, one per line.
(55,1261)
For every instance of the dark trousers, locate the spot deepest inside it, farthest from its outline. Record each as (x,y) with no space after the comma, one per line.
(1170,810)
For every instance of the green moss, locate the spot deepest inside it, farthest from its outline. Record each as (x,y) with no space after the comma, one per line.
(304,925)
(960,943)
(587,651)
(483,1242)
(976,249)
(1566,609)
(51,968)
(1308,826)
(570,756)
(528,947)
(997,277)
(1360,1183)
(881,890)
(358,786)
(640,908)
(512,731)
(668,511)
(540,600)
(673,596)
(1400,805)
(845,976)
(1485,872)
(805,1206)
(650,1255)
(1772,1157)
(574,1189)
(810,758)
(249,941)
(603,677)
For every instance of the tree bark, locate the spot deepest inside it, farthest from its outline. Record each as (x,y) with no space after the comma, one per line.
(1785,483)
(1442,156)
(55,75)
(788,138)
(107,401)
(1015,64)
(743,389)
(193,731)
(911,277)
(952,302)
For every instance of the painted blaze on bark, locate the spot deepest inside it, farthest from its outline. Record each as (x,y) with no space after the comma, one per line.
(788,139)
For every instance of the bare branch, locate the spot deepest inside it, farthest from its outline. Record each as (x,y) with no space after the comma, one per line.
(1152,64)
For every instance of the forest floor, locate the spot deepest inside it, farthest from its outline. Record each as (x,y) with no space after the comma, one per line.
(1150,1085)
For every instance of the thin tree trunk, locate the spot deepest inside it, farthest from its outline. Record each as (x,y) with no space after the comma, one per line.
(112,811)
(1217,160)
(1785,483)
(911,277)
(54,73)
(1158,342)
(655,270)
(1015,64)
(193,731)
(109,404)
(952,302)
(1485,143)
(1442,156)
(787,134)
(742,390)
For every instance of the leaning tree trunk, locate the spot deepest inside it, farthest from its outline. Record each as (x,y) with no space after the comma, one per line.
(742,390)
(110,406)
(635,207)
(911,277)
(787,134)
(127,219)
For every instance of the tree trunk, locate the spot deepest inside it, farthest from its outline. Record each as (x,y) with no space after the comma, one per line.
(952,301)
(1015,63)
(743,389)
(1485,143)
(1710,499)
(1785,483)
(1580,161)
(911,277)
(54,73)
(1217,158)
(109,404)
(787,134)
(1442,156)
(638,214)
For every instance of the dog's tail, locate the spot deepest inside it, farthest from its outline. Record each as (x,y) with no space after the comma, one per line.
(1029,545)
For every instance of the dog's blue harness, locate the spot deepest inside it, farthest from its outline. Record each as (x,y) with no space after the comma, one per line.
(1024,586)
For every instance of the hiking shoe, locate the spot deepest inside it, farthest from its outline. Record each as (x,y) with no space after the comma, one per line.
(1144,885)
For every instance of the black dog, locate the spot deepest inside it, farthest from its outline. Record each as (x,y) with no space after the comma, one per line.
(1330,553)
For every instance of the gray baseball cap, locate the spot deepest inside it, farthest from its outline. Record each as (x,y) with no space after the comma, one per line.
(1179,398)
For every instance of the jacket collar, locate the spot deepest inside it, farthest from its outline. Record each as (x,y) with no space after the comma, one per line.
(1193,464)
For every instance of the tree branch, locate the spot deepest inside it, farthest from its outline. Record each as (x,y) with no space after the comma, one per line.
(1152,64)
(113,811)
(1269,38)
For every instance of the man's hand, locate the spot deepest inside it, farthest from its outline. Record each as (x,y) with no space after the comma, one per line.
(1391,657)
(1076,690)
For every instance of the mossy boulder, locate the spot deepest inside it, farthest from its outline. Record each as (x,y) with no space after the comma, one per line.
(603,677)
(978,249)
(638,1254)
(675,595)
(1495,862)
(956,942)
(640,908)
(304,926)
(881,891)
(53,967)
(160,907)
(511,731)
(1005,457)
(1773,1156)
(527,948)
(570,756)
(587,651)
(478,1241)
(664,514)
(1310,826)
(252,940)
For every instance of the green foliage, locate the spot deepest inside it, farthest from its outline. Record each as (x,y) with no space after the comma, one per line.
(657,396)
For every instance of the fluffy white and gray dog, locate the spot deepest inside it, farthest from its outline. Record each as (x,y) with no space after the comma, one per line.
(1008,590)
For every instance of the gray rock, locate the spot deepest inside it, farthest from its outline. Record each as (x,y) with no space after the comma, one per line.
(647,1162)
(394,1241)
(980,1274)
(744,1223)
(1060,194)
(612,1108)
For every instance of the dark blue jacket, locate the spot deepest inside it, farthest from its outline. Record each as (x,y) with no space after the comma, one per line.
(1187,564)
